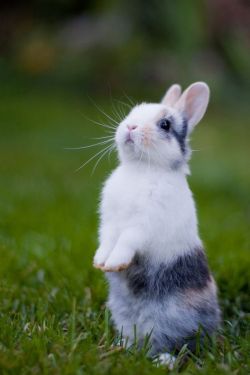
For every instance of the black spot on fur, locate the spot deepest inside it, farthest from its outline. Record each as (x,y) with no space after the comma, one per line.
(174,345)
(189,271)
(176,164)
(181,136)
(209,314)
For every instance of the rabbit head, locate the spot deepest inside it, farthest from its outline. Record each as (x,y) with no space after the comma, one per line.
(157,133)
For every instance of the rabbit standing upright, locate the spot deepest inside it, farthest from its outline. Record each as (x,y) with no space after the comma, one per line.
(150,249)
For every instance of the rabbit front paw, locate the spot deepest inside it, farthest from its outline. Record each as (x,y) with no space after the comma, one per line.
(100,257)
(117,262)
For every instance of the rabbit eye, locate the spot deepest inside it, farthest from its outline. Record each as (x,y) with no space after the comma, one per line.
(164,124)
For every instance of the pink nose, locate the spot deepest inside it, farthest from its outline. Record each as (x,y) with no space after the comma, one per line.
(131,127)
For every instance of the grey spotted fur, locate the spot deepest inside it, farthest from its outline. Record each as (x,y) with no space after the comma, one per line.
(171,302)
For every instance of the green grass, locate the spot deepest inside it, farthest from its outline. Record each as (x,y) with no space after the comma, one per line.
(52,306)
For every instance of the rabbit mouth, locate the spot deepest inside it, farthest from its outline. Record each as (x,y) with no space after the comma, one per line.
(128,139)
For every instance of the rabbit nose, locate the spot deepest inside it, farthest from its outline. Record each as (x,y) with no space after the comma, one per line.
(131,127)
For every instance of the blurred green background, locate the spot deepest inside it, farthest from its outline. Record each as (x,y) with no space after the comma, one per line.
(61,64)
(140,46)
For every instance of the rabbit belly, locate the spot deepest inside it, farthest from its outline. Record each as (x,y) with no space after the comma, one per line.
(169,302)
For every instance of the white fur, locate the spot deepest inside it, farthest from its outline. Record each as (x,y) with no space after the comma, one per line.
(166,359)
(146,204)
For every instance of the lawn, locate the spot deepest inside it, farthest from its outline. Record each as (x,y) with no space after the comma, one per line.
(52,308)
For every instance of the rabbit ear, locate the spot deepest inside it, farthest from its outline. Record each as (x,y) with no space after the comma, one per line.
(172,95)
(193,103)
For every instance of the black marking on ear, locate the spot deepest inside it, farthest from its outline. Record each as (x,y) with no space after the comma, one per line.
(189,271)
(181,136)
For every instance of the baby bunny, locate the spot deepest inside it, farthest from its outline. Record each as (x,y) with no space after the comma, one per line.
(150,249)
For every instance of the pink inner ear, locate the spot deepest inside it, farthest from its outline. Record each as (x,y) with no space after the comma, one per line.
(172,95)
(194,100)
(193,103)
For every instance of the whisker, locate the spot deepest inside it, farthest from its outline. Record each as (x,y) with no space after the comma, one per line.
(104,125)
(129,99)
(99,123)
(105,137)
(93,145)
(101,157)
(111,149)
(93,157)
(104,113)
(124,103)
(115,111)
(120,109)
